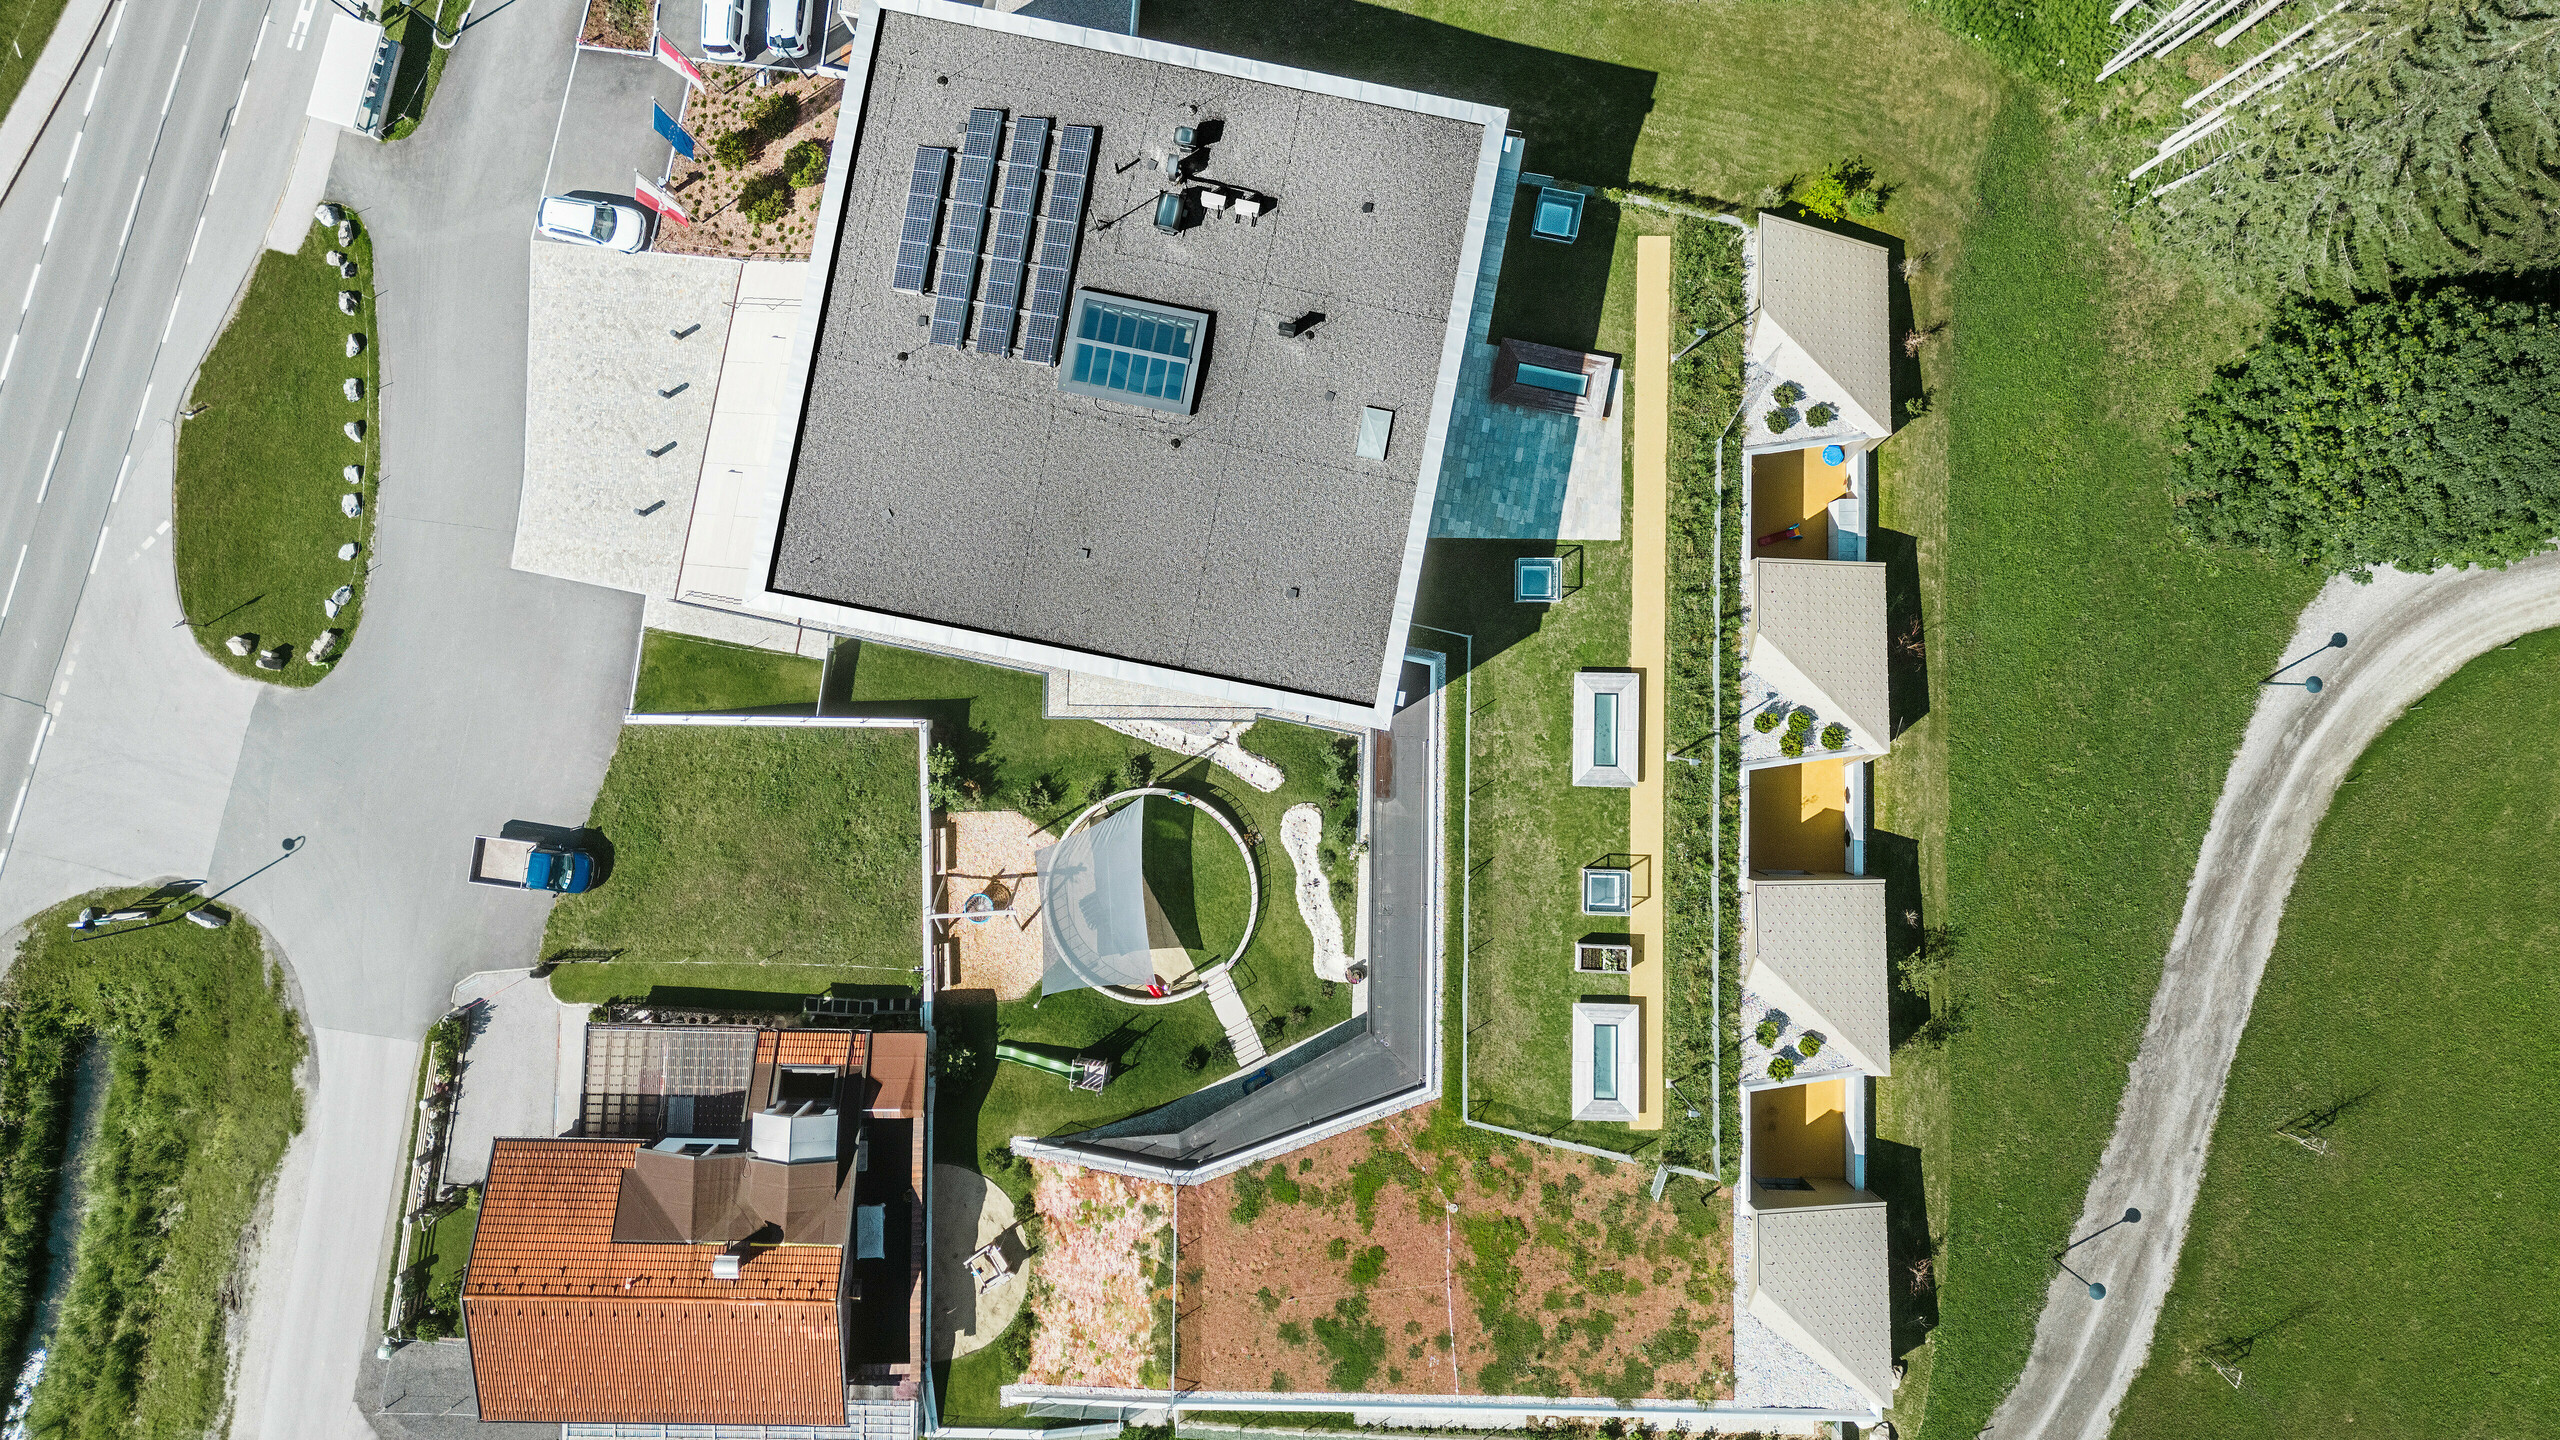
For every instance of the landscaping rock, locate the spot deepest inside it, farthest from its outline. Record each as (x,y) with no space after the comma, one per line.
(322,649)
(335,258)
(327,215)
(347,551)
(351,506)
(342,594)
(346,231)
(353,474)
(347,302)
(355,431)
(274,659)
(241,644)
(348,270)
(353,389)
(355,345)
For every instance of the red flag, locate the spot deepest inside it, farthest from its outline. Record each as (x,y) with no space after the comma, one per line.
(669,56)
(658,200)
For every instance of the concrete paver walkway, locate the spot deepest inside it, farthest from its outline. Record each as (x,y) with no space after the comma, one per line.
(1238,1020)
(2405,635)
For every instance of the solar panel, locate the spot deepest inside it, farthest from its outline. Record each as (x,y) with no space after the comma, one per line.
(964,228)
(924,206)
(1012,238)
(1060,220)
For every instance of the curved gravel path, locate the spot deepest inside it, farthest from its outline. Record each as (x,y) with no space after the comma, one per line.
(2406,635)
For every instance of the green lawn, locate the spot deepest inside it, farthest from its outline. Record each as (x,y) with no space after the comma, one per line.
(258,525)
(766,862)
(200,1103)
(684,674)
(2396,1285)
(26,25)
(421,63)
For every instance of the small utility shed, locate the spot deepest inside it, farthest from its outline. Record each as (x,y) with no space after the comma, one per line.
(1816,947)
(1818,640)
(1817,1278)
(1825,322)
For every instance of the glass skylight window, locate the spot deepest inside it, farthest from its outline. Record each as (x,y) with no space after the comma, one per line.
(1132,351)
(1547,377)
(1604,729)
(1604,1062)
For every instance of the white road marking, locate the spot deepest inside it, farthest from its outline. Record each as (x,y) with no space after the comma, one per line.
(49,219)
(78,135)
(173,320)
(132,208)
(192,244)
(217,163)
(12,597)
(97,82)
(52,461)
(147,542)
(112,499)
(145,411)
(38,748)
(31,290)
(12,359)
(165,99)
(301,25)
(21,807)
(92,347)
(93,569)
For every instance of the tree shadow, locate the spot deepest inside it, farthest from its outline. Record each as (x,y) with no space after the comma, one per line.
(963,1018)
(1906,656)
(1897,859)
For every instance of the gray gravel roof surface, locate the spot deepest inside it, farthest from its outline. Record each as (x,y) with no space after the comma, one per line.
(967,490)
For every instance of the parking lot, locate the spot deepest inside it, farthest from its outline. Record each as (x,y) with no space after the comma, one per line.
(604,136)
(681,21)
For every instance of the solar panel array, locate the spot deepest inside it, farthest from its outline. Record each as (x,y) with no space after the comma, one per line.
(924,207)
(1012,239)
(965,228)
(1046,311)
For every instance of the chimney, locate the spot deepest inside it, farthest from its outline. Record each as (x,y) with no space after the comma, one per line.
(724,1267)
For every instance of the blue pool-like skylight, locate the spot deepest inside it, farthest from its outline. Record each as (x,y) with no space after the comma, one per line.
(1604,1062)
(1570,382)
(1132,351)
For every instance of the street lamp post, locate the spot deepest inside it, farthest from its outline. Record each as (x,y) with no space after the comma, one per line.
(2311,683)
(2097,1291)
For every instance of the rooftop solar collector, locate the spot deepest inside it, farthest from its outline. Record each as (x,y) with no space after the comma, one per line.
(1054,268)
(965,229)
(924,208)
(1012,240)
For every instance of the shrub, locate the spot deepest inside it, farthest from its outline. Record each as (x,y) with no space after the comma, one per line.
(805,163)
(1371,1263)
(765,199)
(734,148)
(1835,736)
(1768,1033)
(1822,414)
(1842,188)
(1809,1044)
(1781,1068)
(774,115)
(1791,744)
(1138,771)
(1766,721)
(1780,420)
(941,781)
(1787,393)
(1275,1027)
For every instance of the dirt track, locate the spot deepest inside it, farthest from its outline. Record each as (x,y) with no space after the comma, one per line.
(2405,636)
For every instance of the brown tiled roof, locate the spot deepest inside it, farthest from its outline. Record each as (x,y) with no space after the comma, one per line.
(897,1064)
(567,1325)
(807,1047)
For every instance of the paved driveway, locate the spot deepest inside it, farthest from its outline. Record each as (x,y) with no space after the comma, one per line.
(2405,635)
(604,135)
(681,22)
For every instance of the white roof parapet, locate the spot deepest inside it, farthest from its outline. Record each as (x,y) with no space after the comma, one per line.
(1818,1280)
(1826,321)
(1819,639)
(1818,953)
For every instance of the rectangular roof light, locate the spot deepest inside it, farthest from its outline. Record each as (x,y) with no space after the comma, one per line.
(1134,352)
(1375,426)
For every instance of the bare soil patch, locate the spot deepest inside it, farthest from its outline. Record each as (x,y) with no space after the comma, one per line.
(708,190)
(616,25)
(1414,1258)
(1101,1273)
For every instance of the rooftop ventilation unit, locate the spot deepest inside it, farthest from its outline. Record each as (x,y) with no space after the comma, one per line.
(793,1133)
(724,1267)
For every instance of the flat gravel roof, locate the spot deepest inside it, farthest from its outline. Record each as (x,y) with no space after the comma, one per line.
(1245,541)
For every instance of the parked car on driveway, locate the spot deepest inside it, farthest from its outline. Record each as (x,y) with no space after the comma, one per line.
(606,223)
(725,35)
(789,26)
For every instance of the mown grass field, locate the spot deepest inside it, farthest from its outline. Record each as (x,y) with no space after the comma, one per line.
(687,675)
(762,861)
(2393,1286)
(258,525)
(200,1103)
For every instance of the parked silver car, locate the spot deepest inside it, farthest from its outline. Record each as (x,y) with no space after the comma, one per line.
(608,224)
(790,26)
(725,35)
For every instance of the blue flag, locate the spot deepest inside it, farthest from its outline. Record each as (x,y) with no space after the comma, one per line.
(667,126)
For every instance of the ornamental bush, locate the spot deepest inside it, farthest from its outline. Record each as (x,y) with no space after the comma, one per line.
(734,148)
(1768,1033)
(1766,721)
(765,199)
(1835,736)
(1787,393)
(1809,1044)
(1781,420)
(805,164)
(1781,1068)
(1843,188)
(775,115)
(1822,414)
(2413,432)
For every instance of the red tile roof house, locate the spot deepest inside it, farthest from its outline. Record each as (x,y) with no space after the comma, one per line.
(761,1276)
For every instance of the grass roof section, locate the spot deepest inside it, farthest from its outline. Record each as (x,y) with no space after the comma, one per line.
(688,675)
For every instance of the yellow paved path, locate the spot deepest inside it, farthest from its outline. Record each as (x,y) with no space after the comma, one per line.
(1651,365)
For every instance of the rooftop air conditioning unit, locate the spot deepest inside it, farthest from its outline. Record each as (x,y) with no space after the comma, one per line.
(724,1267)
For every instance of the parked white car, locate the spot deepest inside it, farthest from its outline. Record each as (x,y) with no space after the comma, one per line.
(594,222)
(789,26)
(725,35)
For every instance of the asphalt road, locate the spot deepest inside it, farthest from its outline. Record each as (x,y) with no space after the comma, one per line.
(2405,635)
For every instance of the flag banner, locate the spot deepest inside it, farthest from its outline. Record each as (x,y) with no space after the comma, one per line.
(658,200)
(669,56)
(666,125)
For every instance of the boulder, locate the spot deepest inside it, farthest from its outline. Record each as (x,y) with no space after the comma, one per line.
(353,474)
(351,506)
(241,644)
(348,270)
(327,215)
(355,345)
(335,258)
(347,302)
(355,430)
(346,231)
(274,659)
(353,388)
(347,551)
(323,649)
(342,594)
(331,606)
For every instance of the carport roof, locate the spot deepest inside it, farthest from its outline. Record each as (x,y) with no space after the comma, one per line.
(1246,542)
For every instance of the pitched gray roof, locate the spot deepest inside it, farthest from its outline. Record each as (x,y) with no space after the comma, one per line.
(1822,939)
(1831,294)
(1819,1280)
(1827,619)
(961,489)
